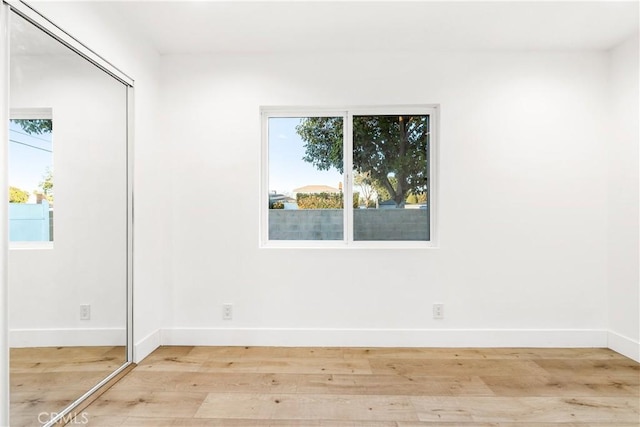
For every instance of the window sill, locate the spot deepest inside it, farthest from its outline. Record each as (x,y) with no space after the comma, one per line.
(320,244)
(30,246)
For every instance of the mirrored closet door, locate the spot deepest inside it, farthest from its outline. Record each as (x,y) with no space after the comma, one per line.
(69,213)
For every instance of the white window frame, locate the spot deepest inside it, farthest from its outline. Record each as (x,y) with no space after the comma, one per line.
(32,114)
(347,113)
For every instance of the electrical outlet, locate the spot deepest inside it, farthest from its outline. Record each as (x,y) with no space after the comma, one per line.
(85,312)
(227,311)
(438,311)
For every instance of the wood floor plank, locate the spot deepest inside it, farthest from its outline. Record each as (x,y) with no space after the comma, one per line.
(170,364)
(97,366)
(301,365)
(265,353)
(147,403)
(242,422)
(553,353)
(184,355)
(209,382)
(47,381)
(307,407)
(412,353)
(173,351)
(393,384)
(483,353)
(558,385)
(606,424)
(293,365)
(28,405)
(619,368)
(516,424)
(445,424)
(241,383)
(64,354)
(24,421)
(271,352)
(447,367)
(98,420)
(527,409)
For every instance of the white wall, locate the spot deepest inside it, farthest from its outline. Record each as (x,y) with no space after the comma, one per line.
(107,34)
(522,213)
(622,232)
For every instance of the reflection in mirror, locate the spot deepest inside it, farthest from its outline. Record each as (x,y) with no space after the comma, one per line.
(67,306)
(31,166)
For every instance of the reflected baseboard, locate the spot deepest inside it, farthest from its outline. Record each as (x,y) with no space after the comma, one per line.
(67,337)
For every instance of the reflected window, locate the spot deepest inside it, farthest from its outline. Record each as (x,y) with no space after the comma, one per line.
(31,182)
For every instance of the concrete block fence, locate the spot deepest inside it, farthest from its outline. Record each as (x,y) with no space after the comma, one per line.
(369,224)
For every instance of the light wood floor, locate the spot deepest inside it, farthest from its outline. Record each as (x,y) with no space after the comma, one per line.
(252,386)
(44,380)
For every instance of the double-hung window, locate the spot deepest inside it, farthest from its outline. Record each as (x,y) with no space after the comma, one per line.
(355,177)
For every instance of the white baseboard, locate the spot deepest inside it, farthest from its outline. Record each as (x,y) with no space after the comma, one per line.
(385,337)
(67,337)
(146,345)
(624,345)
(290,337)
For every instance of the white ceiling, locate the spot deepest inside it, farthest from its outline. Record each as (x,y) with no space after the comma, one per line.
(239,26)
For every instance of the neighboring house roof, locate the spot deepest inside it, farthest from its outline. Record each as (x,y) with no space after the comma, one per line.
(310,189)
(388,203)
(276,197)
(280,198)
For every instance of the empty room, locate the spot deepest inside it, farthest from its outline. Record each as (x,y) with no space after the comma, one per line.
(320,213)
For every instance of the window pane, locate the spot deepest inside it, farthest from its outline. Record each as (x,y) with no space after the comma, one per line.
(30,180)
(391,170)
(305,178)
